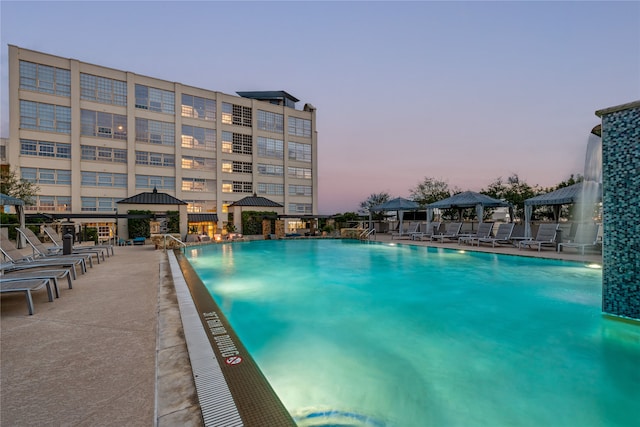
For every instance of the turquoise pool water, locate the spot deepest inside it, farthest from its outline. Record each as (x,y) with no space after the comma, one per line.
(356,334)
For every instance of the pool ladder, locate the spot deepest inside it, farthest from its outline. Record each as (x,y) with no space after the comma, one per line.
(182,244)
(367,233)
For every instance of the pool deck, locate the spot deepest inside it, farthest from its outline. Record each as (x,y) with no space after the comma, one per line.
(111,351)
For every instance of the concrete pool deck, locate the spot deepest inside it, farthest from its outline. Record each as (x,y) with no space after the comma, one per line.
(111,351)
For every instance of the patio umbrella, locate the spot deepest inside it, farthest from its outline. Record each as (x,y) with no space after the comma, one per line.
(19,205)
(399,204)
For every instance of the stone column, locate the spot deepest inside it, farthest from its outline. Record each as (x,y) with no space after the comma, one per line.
(621,210)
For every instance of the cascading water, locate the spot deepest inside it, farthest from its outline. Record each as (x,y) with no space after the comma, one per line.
(588,202)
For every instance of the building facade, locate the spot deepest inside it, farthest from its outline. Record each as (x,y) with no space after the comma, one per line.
(90,136)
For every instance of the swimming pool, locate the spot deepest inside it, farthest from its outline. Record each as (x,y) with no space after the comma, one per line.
(350,333)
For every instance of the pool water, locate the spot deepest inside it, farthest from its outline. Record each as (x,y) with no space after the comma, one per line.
(358,334)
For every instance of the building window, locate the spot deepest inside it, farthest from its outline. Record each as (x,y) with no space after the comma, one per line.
(45,117)
(269,147)
(198,184)
(50,204)
(103,89)
(272,122)
(98,204)
(104,179)
(152,181)
(237,187)
(103,154)
(198,138)
(271,189)
(299,127)
(300,208)
(155,159)
(57,150)
(198,163)
(236,115)
(46,176)
(236,143)
(198,108)
(299,152)
(155,132)
(303,173)
(45,79)
(242,187)
(152,99)
(103,125)
(242,167)
(300,190)
(271,170)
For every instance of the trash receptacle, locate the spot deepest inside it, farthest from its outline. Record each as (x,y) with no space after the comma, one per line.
(69,228)
(67,244)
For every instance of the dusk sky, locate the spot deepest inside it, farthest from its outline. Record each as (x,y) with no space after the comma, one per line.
(464,92)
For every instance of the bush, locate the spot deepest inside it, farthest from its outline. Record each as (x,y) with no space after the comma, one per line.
(139,227)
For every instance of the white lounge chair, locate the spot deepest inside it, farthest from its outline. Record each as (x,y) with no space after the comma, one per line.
(17,261)
(484,230)
(413,227)
(545,237)
(41,251)
(451,233)
(57,240)
(586,237)
(503,236)
(426,232)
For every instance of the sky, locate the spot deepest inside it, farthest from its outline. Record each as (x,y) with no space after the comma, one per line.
(462,92)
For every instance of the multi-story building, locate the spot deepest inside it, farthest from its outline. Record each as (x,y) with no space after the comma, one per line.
(90,136)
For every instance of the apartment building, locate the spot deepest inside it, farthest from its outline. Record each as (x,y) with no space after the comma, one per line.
(90,135)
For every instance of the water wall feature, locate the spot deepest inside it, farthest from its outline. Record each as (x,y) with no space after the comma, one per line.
(621,210)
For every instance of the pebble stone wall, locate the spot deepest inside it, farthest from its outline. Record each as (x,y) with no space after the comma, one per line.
(621,210)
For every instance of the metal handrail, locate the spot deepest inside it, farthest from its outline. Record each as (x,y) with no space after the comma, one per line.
(183,244)
(367,233)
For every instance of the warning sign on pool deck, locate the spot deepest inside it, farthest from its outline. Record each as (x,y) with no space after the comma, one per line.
(224,344)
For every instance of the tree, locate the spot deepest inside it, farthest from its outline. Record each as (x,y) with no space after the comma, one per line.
(20,188)
(373,200)
(513,191)
(431,190)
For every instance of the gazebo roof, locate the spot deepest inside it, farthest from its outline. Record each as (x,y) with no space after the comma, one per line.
(567,195)
(152,198)
(256,201)
(397,204)
(467,199)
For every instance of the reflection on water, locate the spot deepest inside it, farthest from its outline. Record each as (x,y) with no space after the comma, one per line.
(413,336)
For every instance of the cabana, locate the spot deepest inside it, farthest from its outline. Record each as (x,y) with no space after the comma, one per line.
(466,200)
(399,205)
(587,192)
(6,200)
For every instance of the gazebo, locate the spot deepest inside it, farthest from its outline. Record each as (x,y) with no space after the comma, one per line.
(399,205)
(587,192)
(6,200)
(466,200)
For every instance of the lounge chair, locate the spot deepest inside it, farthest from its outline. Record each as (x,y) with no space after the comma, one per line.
(56,238)
(545,237)
(484,231)
(17,261)
(503,236)
(426,233)
(413,227)
(451,233)
(37,273)
(26,286)
(586,237)
(41,251)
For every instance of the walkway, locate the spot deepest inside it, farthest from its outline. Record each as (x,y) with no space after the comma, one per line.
(111,351)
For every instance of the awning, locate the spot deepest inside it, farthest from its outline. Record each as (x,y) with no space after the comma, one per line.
(202,217)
